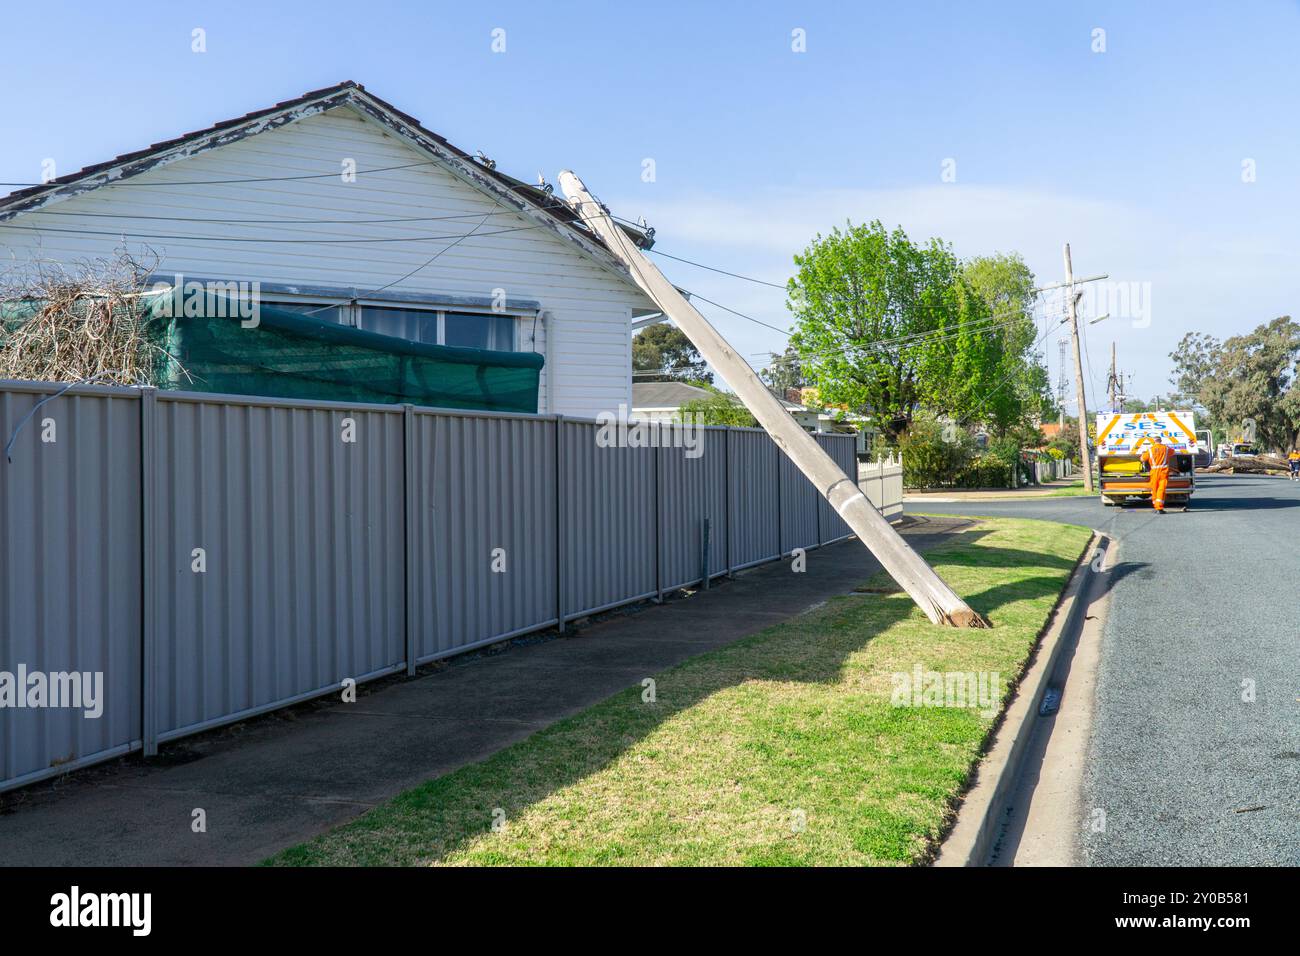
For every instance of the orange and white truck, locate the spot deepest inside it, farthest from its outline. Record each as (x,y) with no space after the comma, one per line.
(1121,438)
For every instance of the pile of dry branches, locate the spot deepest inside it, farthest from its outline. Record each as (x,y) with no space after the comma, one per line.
(77,323)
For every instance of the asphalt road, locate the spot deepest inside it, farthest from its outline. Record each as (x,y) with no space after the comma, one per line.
(1194,757)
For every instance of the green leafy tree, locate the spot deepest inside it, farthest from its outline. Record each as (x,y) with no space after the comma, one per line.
(1024,392)
(718,409)
(784,371)
(886,327)
(1195,360)
(930,458)
(1250,376)
(662,353)
(1066,442)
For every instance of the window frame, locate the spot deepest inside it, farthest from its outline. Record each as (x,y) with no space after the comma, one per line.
(350,313)
(344,307)
(441,312)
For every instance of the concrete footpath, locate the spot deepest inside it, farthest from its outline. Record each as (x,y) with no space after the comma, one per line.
(280,779)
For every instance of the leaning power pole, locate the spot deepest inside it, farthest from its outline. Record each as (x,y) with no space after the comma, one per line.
(939,602)
(1072,301)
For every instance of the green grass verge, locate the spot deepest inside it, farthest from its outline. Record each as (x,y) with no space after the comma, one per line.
(1071,491)
(783,748)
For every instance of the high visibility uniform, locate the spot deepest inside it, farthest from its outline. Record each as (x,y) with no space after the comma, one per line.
(1158,459)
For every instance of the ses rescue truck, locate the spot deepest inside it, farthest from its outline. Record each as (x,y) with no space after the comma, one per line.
(1121,439)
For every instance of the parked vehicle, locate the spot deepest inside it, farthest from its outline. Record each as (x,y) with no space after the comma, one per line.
(1121,439)
(1204,456)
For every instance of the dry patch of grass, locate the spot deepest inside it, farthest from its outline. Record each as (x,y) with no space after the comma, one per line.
(783,748)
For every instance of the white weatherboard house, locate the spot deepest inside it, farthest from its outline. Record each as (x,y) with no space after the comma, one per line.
(424,242)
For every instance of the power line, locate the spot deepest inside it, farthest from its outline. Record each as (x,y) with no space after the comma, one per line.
(982,326)
(434,256)
(544,206)
(734,275)
(696,295)
(252,239)
(272,222)
(222,182)
(971,414)
(276,222)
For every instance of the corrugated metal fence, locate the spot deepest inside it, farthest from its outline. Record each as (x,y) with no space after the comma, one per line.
(215,557)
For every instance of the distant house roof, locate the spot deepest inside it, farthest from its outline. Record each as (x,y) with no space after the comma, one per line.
(527,198)
(677,394)
(666,394)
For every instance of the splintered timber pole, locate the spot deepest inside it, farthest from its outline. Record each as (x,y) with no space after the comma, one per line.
(940,603)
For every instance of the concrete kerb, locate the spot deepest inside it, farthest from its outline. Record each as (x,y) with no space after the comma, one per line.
(972,837)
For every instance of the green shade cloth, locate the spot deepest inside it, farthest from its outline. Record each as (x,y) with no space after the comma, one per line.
(288,355)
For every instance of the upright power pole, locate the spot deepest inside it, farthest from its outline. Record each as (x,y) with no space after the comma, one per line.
(939,602)
(1072,302)
(1062,380)
(1112,382)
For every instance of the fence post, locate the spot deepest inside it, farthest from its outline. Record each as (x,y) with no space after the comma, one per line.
(559,523)
(726,492)
(780,544)
(410,531)
(148,608)
(880,475)
(704,552)
(817,511)
(657,427)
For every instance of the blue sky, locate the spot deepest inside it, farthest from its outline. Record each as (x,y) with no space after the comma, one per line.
(1134,155)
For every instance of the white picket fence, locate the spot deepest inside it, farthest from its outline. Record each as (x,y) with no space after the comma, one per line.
(1052,469)
(882,482)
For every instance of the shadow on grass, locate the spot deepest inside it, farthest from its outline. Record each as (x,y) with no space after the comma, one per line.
(1005,557)
(435,820)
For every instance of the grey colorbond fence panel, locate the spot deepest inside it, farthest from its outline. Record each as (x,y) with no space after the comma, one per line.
(799,504)
(691,489)
(304,544)
(327,559)
(607,522)
(482,483)
(843,448)
(753,497)
(70,573)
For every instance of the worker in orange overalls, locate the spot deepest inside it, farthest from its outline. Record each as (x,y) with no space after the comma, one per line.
(1158,459)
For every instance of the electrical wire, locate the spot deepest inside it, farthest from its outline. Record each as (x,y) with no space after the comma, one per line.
(222,182)
(936,336)
(433,257)
(253,239)
(939,335)
(980,326)
(969,415)
(269,222)
(696,295)
(734,275)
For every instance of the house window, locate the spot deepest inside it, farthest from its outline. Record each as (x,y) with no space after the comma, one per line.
(324,311)
(414,325)
(479,331)
(474,330)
